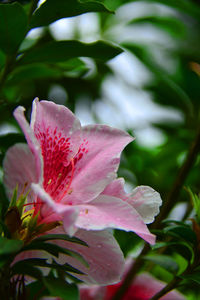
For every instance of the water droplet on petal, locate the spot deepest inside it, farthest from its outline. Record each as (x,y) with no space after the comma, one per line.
(108,265)
(99,246)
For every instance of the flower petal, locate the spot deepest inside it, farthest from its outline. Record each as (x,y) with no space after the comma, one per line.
(146,201)
(58,132)
(97,161)
(143,198)
(19,169)
(32,141)
(51,211)
(104,256)
(111,212)
(145,284)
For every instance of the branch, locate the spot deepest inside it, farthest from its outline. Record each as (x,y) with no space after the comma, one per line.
(136,266)
(170,286)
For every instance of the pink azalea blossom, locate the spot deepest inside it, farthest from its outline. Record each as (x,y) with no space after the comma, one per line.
(144,287)
(71,172)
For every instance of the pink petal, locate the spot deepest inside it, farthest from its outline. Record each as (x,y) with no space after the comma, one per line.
(116,189)
(32,141)
(103,255)
(144,199)
(97,161)
(143,288)
(145,284)
(111,212)
(19,169)
(51,211)
(58,132)
(92,292)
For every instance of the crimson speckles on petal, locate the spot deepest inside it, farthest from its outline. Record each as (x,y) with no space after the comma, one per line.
(72,172)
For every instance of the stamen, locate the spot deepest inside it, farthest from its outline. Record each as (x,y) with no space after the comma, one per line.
(33,203)
(23,190)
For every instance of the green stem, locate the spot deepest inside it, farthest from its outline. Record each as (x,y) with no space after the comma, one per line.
(170,286)
(136,266)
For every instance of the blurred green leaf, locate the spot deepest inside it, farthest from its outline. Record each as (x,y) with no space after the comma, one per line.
(48,12)
(127,240)
(172,25)
(13,27)
(61,288)
(8,246)
(186,6)
(41,262)
(63,237)
(53,52)
(164,86)
(192,277)
(167,262)
(22,267)
(182,232)
(35,71)
(54,250)
(36,290)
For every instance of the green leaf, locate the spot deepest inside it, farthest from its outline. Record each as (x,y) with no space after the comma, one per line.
(61,288)
(53,51)
(42,262)
(165,85)
(50,11)
(54,250)
(183,248)
(8,246)
(35,71)
(167,262)
(13,27)
(192,277)
(63,237)
(187,7)
(181,232)
(24,268)
(36,290)
(172,25)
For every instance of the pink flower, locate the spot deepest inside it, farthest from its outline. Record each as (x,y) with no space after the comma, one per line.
(144,287)
(71,172)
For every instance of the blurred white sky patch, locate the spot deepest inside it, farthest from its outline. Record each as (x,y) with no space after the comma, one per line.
(136,105)
(131,69)
(84,112)
(149,137)
(85,27)
(34,33)
(63,29)
(8,128)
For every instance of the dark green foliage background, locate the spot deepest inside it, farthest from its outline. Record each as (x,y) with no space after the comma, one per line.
(29,68)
